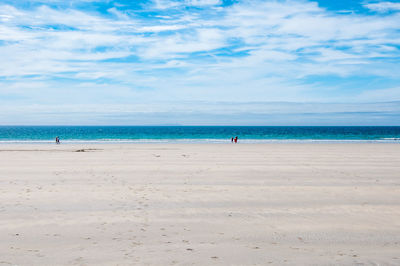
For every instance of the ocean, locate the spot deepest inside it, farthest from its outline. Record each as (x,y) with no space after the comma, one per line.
(196,134)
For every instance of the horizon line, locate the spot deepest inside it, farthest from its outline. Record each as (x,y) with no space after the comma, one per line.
(172,125)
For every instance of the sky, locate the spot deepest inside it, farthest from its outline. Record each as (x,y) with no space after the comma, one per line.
(199,62)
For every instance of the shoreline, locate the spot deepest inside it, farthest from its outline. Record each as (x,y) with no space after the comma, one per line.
(201,141)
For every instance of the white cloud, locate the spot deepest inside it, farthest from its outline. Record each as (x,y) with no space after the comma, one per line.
(250,51)
(381,94)
(166,4)
(159,28)
(218,113)
(383,6)
(203,2)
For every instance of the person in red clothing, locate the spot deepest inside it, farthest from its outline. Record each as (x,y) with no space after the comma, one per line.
(236,138)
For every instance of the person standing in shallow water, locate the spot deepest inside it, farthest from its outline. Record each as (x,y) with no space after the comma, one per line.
(232,139)
(57,140)
(236,139)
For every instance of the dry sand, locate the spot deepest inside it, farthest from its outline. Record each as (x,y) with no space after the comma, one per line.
(202,204)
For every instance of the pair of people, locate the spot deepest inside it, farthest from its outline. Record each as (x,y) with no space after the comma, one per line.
(57,140)
(234,139)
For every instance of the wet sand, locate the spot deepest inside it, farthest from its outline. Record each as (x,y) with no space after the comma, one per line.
(201,204)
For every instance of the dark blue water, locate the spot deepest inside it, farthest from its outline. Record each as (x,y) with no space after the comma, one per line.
(194,133)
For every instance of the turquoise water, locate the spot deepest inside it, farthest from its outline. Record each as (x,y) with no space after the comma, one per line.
(213,134)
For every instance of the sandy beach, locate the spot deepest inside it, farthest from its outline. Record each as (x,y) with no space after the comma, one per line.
(200,204)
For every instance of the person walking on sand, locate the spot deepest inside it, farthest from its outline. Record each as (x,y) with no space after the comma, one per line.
(236,138)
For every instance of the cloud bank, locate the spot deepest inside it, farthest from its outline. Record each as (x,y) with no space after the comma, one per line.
(155,57)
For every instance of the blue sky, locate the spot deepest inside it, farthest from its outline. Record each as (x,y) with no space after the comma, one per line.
(200,62)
